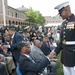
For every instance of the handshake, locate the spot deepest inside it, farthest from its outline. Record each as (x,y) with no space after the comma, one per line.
(52,56)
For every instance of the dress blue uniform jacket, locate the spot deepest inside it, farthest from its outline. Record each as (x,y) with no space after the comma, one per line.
(67,34)
(28,67)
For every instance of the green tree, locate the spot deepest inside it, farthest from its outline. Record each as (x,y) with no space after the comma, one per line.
(39,19)
(35,17)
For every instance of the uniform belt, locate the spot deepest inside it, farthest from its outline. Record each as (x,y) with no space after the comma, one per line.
(69,42)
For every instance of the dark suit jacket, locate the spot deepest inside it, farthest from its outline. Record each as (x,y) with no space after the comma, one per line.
(15,52)
(45,49)
(31,68)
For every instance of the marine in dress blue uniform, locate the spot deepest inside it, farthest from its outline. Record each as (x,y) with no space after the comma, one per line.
(67,42)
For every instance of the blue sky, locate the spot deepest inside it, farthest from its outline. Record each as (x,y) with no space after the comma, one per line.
(46,7)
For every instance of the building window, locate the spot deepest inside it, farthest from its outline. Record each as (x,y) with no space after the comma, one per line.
(12,13)
(18,15)
(8,12)
(15,14)
(23,16)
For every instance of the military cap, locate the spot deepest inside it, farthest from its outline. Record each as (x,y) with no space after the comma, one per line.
(27,27)
(11,28)
(61,6)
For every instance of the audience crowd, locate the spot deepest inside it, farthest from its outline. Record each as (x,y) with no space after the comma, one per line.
(30,50)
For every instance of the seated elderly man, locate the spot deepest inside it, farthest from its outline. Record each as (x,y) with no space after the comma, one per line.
(36,52)
(9,62)
(38,55)
(27,65)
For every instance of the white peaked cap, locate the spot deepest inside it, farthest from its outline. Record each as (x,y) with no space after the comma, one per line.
(60,6)
(26,27)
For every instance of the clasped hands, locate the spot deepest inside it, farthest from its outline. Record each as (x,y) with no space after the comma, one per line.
(52,55)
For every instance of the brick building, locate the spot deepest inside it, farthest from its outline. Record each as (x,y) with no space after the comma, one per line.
(13,16)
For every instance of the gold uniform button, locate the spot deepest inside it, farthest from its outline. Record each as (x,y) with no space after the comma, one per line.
(64,42)
(66,21)
(65,24)
(63,36)
(64,32)
(64,28)
(73,50)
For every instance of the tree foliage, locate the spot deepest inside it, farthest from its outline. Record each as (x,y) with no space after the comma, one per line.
(35,17)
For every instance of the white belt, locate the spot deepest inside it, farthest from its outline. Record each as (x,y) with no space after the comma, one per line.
(69,42)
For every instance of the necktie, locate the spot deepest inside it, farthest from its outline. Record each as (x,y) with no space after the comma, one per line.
(11,40)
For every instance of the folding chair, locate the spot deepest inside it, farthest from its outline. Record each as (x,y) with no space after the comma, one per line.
(18,70)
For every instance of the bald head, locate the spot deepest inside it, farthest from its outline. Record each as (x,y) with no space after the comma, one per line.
(37,43)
